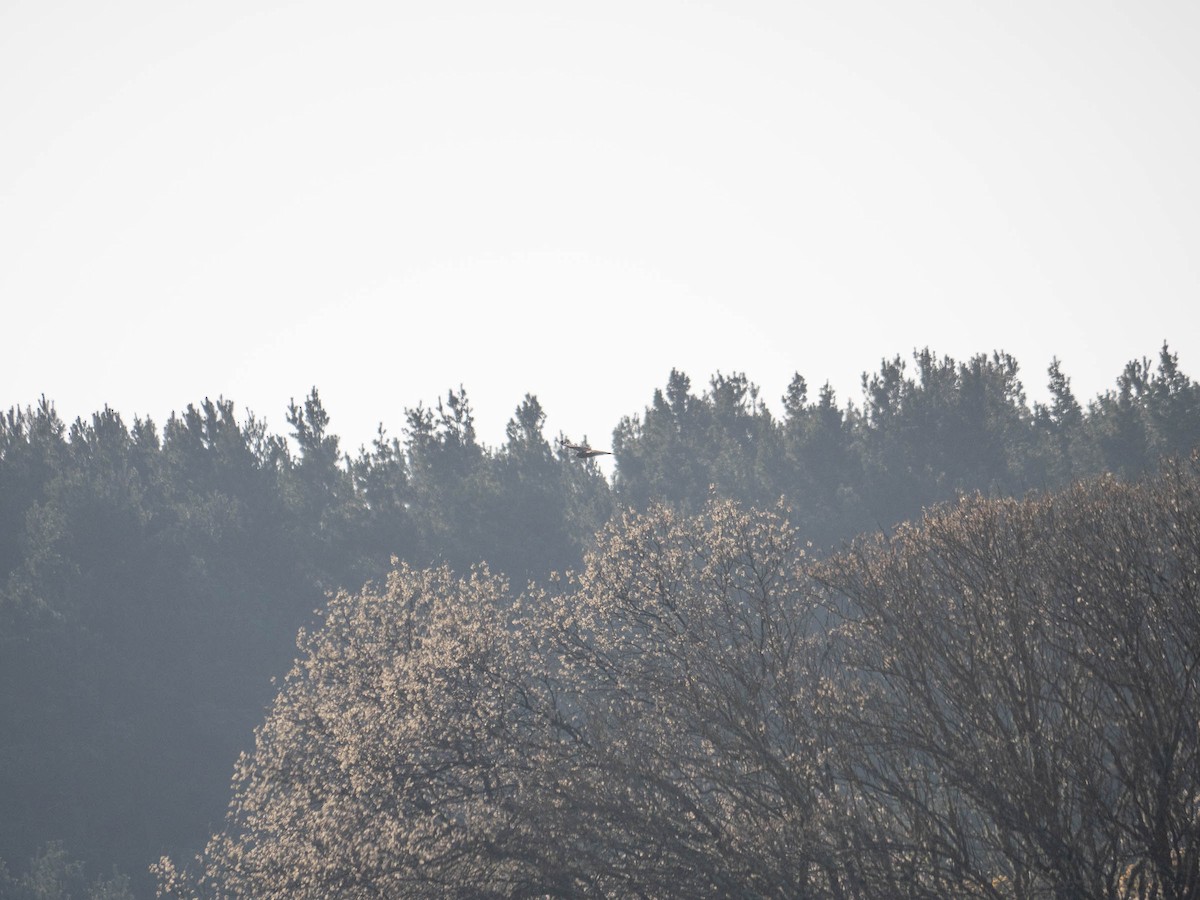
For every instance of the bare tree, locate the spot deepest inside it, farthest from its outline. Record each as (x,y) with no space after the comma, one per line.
(1030,669)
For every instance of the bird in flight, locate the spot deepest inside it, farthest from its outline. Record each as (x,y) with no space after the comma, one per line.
(583,451)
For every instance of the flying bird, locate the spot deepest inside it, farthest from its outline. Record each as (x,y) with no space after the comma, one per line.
(583,451)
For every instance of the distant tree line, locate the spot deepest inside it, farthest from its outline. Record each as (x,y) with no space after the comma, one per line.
(923,433)
(152,579)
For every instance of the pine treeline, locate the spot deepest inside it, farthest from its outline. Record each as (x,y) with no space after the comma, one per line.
(151,582)
(920,436)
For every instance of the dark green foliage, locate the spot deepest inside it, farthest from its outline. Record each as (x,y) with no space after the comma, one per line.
(540,510)
(31,443)
(921,436)
(817,470)
(685,446)
(1151,412)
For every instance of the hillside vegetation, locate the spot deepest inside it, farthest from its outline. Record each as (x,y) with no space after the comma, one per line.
(153,579)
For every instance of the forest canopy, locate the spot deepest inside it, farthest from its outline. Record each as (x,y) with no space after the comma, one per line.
(153,576)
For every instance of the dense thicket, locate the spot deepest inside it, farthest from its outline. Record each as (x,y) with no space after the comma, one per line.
(1000,701)
(152,579)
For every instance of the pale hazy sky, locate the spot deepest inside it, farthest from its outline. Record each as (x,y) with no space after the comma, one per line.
(389,199)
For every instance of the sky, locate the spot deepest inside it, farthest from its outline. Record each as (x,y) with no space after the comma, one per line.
(388,200)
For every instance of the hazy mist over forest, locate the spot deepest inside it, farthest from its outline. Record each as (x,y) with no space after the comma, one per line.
(883,314)
(155,577)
